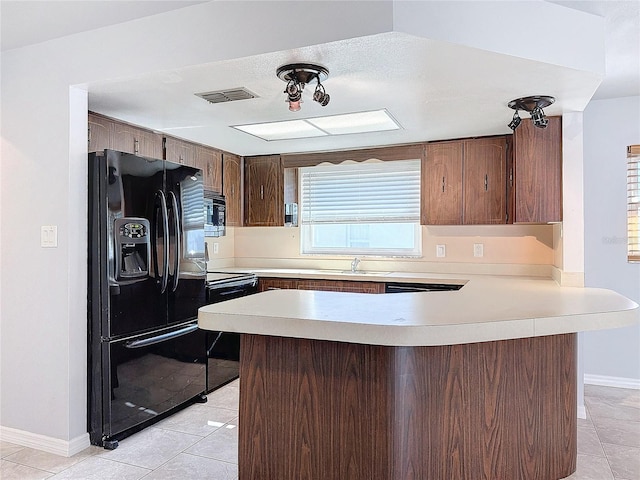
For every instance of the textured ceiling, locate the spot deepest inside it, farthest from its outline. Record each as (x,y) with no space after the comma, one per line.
(435,90)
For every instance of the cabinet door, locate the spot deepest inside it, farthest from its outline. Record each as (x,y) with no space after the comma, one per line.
(484,186)
(232,188)
(341,286)
(99,133)
(180,151)
(537,172)
(209,160)
(130,139)
(265,284)
(442,184)
(264,192)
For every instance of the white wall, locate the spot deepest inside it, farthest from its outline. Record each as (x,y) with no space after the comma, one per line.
(611,356)
(43,171)
(531,29)
(43,175)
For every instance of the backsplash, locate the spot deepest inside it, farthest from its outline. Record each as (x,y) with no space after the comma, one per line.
(507,250)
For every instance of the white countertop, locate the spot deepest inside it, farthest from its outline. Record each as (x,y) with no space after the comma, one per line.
(486,308)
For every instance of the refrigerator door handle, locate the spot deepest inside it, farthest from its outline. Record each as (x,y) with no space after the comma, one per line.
(162,337)
(178,236)
(161,205)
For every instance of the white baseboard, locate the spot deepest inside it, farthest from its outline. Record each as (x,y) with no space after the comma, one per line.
(582,412)
(56,446)
(606,381)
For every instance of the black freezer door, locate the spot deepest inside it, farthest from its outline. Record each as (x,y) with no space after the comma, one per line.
(150,375)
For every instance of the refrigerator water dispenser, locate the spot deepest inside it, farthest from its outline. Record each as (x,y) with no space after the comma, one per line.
(133,248)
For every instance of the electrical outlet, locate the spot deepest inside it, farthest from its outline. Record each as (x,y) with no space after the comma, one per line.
(441,251)
(478,249)
(216,248)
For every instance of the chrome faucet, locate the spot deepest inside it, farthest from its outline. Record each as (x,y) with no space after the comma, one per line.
(354,265)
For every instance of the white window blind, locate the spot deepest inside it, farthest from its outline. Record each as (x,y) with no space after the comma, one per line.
(378,192)
(370,208)
(633,202)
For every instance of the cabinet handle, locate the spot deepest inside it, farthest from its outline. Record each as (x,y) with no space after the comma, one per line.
(486,182)
(136,146)
(233,190)
(209,169)
(442,184)
(511,177)
(261,192)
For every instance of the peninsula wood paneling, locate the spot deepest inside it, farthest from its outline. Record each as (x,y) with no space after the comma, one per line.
(328,410)
(312,410)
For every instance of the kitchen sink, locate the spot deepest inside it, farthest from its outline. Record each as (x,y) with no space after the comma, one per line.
(365,272)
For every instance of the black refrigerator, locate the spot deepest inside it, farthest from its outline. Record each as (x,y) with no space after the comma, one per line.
(146,281)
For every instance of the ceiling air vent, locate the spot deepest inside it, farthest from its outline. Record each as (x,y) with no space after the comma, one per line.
(230,95)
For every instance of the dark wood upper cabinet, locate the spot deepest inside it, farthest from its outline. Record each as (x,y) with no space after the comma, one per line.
(100,133)
(264,191)
(180,151)
(105,132)
(488,180)
(442,184)
(209,160)
(484,182)
(232,188)
(464,182)
(536,174)
(130,139)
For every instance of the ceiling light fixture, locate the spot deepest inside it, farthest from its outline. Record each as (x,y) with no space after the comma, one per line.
(515,121)
(297,75)
(534,106)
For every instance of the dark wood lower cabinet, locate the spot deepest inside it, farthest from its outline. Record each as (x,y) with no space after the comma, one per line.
(320,410)
(321,285)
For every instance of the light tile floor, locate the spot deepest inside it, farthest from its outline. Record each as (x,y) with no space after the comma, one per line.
(201,443)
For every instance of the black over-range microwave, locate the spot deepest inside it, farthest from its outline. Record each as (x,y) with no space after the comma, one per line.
(214,215)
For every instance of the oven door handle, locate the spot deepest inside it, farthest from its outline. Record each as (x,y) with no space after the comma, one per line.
(224,293)
(162,337)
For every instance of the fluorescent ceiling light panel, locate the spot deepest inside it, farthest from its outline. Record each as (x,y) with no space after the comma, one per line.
(360,122)
(282,130)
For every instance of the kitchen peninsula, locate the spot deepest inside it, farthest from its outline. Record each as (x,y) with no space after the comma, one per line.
(478,383)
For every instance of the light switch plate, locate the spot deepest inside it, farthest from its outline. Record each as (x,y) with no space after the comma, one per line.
(478,249)
(49,236)
(441,251)
(216,248)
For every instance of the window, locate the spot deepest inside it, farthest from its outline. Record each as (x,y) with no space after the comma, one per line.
(369,208)
(633,202)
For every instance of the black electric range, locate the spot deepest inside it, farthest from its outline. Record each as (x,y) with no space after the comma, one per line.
(224,285)
(223,348)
